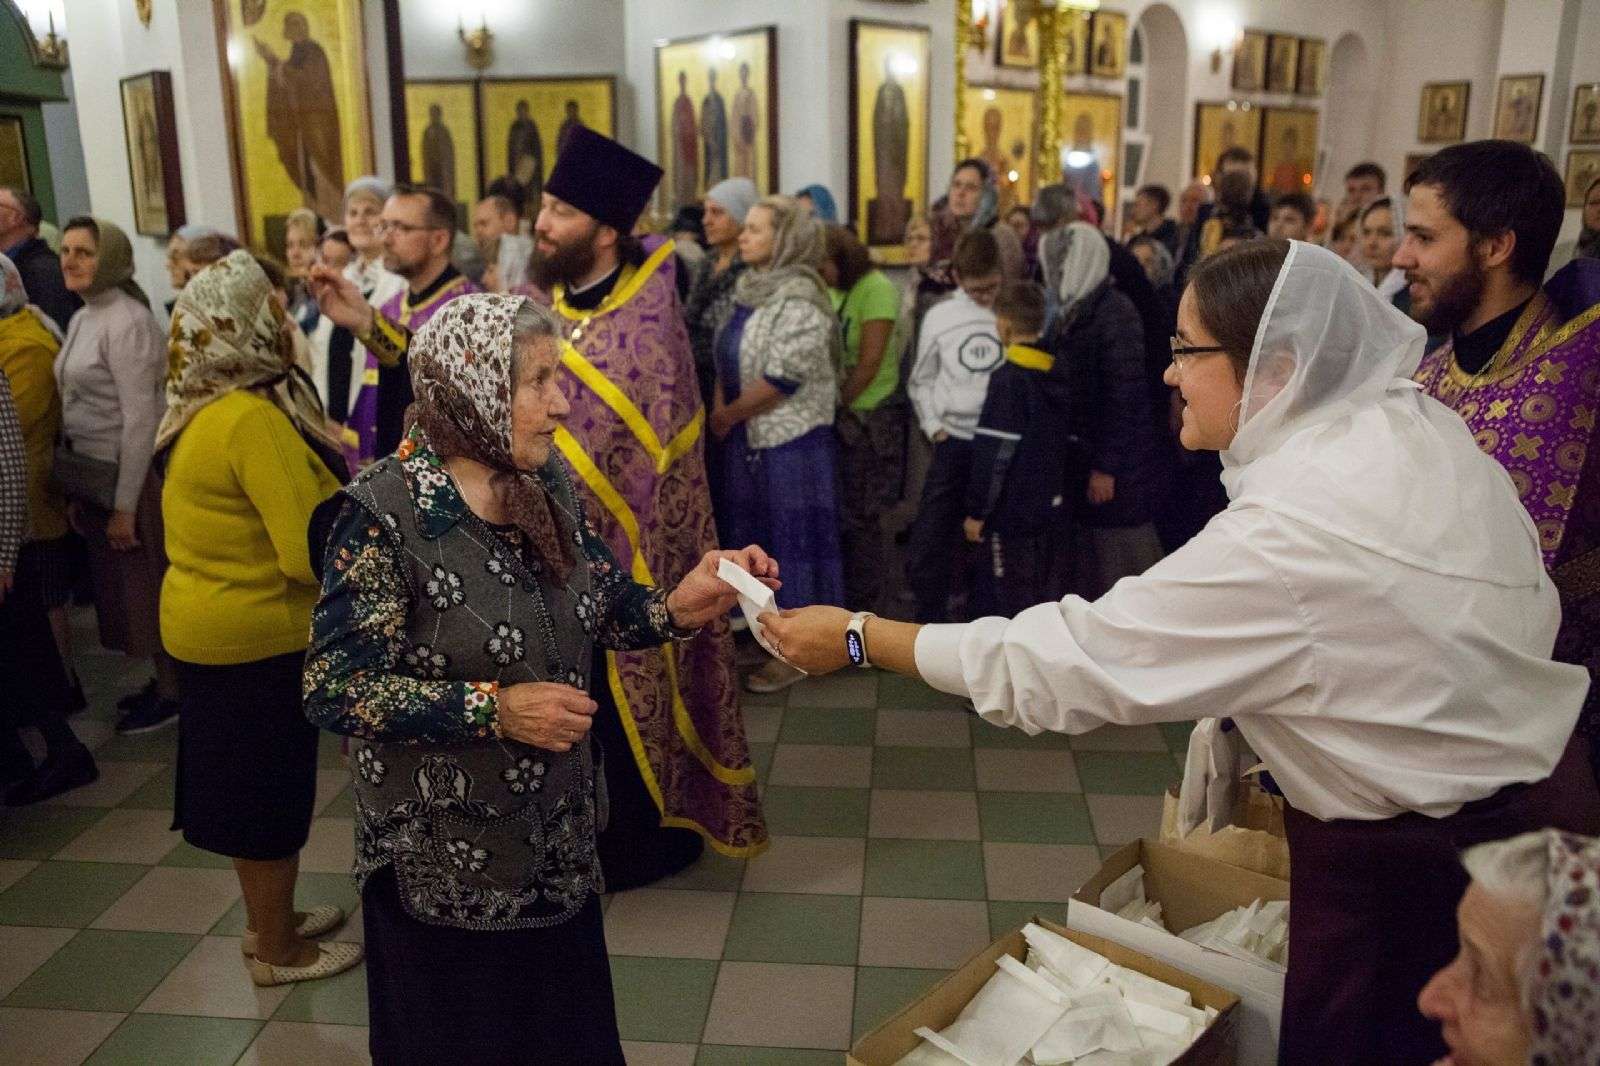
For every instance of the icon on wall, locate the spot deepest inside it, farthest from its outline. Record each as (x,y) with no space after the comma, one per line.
(1585,127)
(1283,55)
(717,113)
(1220,126)
(1109,56)
(1516,107)
(1443,113)
(154,172)
(889,77)
(999,125)
(1288,149)
(1250,62)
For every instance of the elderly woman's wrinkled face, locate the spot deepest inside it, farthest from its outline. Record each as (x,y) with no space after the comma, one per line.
(80,257)
(722,229)
(758,236)
(1477,999)
(1211,390)
(537,404)
(177,271)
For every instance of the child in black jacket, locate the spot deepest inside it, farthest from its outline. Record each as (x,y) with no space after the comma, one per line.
(1021,449)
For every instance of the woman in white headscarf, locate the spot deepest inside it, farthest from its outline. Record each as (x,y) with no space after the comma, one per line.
(1371,610)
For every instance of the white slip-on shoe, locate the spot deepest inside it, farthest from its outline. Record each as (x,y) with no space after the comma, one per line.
(324,918)
(331,959)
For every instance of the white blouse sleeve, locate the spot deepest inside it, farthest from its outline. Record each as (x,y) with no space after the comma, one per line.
(1210,630)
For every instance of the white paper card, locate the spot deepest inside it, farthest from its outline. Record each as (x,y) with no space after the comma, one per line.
(1004,1020)
(755,600)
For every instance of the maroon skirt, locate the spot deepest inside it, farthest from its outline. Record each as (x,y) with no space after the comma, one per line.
(1374,914)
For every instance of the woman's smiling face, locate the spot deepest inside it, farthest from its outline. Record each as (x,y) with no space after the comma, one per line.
(1209,385)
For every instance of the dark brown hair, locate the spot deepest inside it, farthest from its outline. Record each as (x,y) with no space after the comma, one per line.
(1492,187)
(441,213)
(977,255)
(1231,290)
(1022,304)
(848,256)
(211,248)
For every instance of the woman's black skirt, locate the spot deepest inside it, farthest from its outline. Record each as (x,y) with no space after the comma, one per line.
(528,996)
(247,759)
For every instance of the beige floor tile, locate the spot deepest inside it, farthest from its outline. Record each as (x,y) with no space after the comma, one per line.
(823,865)
(173,899)
(118,781)
(924,815)
(761,724)
(352,931)
(639,1053)
(93,732)
(934,934)
(331,848)
(924,729)
(14,870)
(1048,873)
(1121,738)
(124,836)
(23,948)
(304,1043)
(1119,819)
(32,1037)
(329,784)
(671,923)
(1020,770)
(212,982)
(816,1005)
(822,765)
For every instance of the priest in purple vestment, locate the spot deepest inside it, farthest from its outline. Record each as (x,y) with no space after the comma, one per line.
(1522,362)
(676,757)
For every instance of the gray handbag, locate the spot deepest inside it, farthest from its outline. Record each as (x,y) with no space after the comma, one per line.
(84,478)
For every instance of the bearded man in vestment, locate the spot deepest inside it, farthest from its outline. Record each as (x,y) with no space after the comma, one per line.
(303,119)
(675,752)
(1522,363)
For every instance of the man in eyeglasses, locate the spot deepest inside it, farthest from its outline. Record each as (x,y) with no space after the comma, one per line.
(417,228)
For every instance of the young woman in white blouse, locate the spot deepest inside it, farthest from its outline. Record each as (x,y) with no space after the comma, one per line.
(1371,610)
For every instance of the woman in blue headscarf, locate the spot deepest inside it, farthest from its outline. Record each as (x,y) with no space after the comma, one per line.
(820,201)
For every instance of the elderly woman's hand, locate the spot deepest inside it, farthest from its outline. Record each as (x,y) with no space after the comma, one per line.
(702,595)
(811,638)
(545,715)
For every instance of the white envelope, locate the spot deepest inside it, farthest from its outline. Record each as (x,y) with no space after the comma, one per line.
(755,600)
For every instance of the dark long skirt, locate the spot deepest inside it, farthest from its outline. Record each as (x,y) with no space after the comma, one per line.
(127,585)
(1374,914)
(247,759)
(783,499)
(526,996)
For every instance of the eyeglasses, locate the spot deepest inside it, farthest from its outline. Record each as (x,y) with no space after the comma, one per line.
(1183,354)
(384,227)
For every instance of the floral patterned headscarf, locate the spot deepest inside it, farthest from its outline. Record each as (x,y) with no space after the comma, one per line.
(1565,993)
(228,333)
(463,372)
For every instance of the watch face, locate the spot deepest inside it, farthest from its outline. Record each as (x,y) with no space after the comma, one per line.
(852,645)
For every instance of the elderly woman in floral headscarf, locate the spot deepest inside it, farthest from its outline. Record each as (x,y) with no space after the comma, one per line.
(241,444)
(462,596)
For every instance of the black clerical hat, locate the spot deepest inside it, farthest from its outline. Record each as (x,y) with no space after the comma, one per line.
(603,179)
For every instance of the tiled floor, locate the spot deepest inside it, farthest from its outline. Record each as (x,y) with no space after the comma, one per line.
(905,834)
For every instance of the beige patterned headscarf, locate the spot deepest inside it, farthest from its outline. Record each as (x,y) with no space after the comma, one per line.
(229,333)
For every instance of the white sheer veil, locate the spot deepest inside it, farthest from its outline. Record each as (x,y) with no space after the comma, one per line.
(1333,433)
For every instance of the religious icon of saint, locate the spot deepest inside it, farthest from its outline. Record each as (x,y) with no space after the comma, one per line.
(150,155)
(302,117)
(570,122)
(1589,121)
(1105,51)
(1442,120)
(1286,176)
(685,146)
(889,211)
(1516,120)
(438,154)
(746,124)
(994,155)
(1017,42)
(525,153)
(714,131)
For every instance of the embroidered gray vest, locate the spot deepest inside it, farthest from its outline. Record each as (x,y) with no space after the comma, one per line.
(489,834)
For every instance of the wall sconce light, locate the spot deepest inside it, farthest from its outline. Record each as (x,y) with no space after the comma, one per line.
(479,42)
(1223,33)
(985,15)
(50,48)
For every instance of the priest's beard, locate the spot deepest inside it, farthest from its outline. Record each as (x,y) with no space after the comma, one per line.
(1449,300)
(565,264)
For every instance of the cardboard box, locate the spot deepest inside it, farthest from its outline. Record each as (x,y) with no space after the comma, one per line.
(895,1038)
(1193,889)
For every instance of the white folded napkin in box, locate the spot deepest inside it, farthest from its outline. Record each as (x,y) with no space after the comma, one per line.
(1074,964)
(1004,1020)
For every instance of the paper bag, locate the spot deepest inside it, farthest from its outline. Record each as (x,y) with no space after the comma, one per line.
(1254,841)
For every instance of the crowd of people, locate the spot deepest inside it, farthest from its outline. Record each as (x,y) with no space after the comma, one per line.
(460,497)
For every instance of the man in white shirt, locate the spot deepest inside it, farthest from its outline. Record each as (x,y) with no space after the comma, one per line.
(959,347)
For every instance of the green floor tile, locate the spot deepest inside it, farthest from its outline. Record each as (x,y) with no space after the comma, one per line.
(763,699)
(103,969)
(1007,916)
(155,794)
(909,694)
(779,927)
(925,869)
(985,735)
(160,746)
(923,768)
(882,992)
(148,1038)
(816,812)
(309,891)
(67,895)
(848,688)
(761,759)
(722,1055)
(1177,734)
(330,752)
(186,854)
(338,1000)
(39,831)
(1035,818)
(1127,773)
(829,725)
(341,806)
(662,999)
(712,872)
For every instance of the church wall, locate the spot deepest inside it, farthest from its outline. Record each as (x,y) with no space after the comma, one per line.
(68,174)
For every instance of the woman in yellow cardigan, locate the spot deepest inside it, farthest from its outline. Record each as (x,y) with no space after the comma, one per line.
(243,447)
